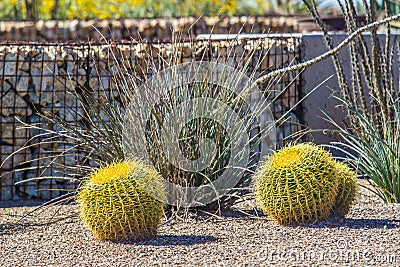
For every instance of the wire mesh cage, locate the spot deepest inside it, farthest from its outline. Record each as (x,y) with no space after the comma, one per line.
(37,78)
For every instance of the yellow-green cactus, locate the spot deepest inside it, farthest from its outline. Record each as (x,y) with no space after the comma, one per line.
(114,205)
(347,191)
(297,184)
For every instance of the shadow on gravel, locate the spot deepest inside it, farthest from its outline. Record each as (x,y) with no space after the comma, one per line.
(357,223)
(11,228)
(253,213)
(176,240)
(21,203)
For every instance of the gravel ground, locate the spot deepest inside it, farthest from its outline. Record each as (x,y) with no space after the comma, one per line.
(369,236)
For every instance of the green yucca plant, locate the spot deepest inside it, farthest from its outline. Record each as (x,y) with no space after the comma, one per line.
(377,158)
(298,184)
(122,201)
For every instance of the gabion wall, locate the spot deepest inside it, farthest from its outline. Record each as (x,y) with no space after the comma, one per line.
(34,77)
(149,29)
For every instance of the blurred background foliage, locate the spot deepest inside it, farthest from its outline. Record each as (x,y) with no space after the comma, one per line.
(104,9)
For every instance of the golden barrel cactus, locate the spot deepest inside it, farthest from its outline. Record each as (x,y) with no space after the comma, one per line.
(122,201)
(297,184)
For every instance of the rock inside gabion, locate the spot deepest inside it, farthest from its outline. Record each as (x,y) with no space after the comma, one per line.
(347,190)
(122,201)
(297,184)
